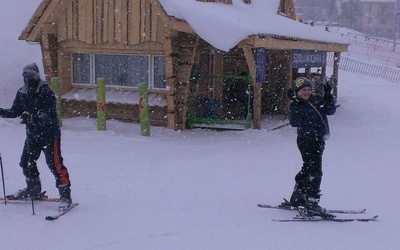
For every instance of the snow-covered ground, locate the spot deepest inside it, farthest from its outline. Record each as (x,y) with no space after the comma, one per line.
(198,189)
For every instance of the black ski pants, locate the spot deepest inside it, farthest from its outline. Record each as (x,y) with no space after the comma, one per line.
(308,180)
(51,148)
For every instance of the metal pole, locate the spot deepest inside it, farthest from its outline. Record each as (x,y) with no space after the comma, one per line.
(2,178)
(396,19)
(33,205)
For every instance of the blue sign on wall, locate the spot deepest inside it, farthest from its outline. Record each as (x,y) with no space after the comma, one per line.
(261,63)
(308,58)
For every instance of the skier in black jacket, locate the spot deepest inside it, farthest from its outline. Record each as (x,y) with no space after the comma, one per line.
(35,104)
(308,112)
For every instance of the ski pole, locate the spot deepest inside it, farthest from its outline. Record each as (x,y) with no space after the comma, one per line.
(33,206)
(2,179)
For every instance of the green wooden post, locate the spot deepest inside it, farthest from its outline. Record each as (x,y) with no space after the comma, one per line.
(101,104)
(144,109)
(56,87)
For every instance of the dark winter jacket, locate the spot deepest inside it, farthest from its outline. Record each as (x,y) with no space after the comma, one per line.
(37,111)
(312,125)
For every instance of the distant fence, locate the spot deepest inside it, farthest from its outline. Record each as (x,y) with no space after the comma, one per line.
(377,42)
(367,69)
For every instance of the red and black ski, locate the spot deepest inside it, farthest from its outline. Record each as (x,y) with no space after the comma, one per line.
(58,215)
(316,219)
(43,197)
(333,211)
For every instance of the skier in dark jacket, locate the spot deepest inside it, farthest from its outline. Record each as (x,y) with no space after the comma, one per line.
(35,104)
(308,112)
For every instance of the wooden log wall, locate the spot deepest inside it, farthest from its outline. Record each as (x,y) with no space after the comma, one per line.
(170,46)
(110,21)
(274,98)
(50,55)
(178,70)
(120,111)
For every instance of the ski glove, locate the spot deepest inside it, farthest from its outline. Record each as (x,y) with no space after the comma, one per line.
(328,88)
(328,85)
(27,118)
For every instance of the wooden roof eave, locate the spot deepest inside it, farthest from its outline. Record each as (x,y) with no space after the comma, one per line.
(171,22)
(180,25)
(289,44)
(34,19)
(47,13)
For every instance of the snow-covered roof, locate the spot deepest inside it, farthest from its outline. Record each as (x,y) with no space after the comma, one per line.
(226,25)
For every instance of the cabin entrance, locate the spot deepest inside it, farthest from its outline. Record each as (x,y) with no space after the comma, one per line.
(231,110)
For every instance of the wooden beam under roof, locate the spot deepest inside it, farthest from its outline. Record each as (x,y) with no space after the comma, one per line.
(182,26)
(281,44)
(46,13)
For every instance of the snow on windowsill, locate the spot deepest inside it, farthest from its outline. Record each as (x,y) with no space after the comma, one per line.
(114,96)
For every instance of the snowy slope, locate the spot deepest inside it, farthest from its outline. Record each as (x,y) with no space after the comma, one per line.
(198,189)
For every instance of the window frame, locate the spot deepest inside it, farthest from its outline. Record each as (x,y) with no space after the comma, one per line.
(92,73)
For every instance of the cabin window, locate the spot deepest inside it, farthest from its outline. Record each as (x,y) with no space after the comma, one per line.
(119,70)
(159,72)
(81,68)
(122,70)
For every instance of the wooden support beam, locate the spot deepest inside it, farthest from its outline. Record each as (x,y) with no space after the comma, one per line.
(280,44)
(171,79)
(336,61)
(288,83)
(251,62)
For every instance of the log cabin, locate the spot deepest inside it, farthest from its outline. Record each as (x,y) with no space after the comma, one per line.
(206,62)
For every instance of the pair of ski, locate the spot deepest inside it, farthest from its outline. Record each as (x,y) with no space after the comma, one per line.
(299,218)
(44,198)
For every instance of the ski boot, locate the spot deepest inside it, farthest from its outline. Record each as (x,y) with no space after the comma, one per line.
(33,189)
(65,197)
(298,197)
(311,209)
(285,204)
